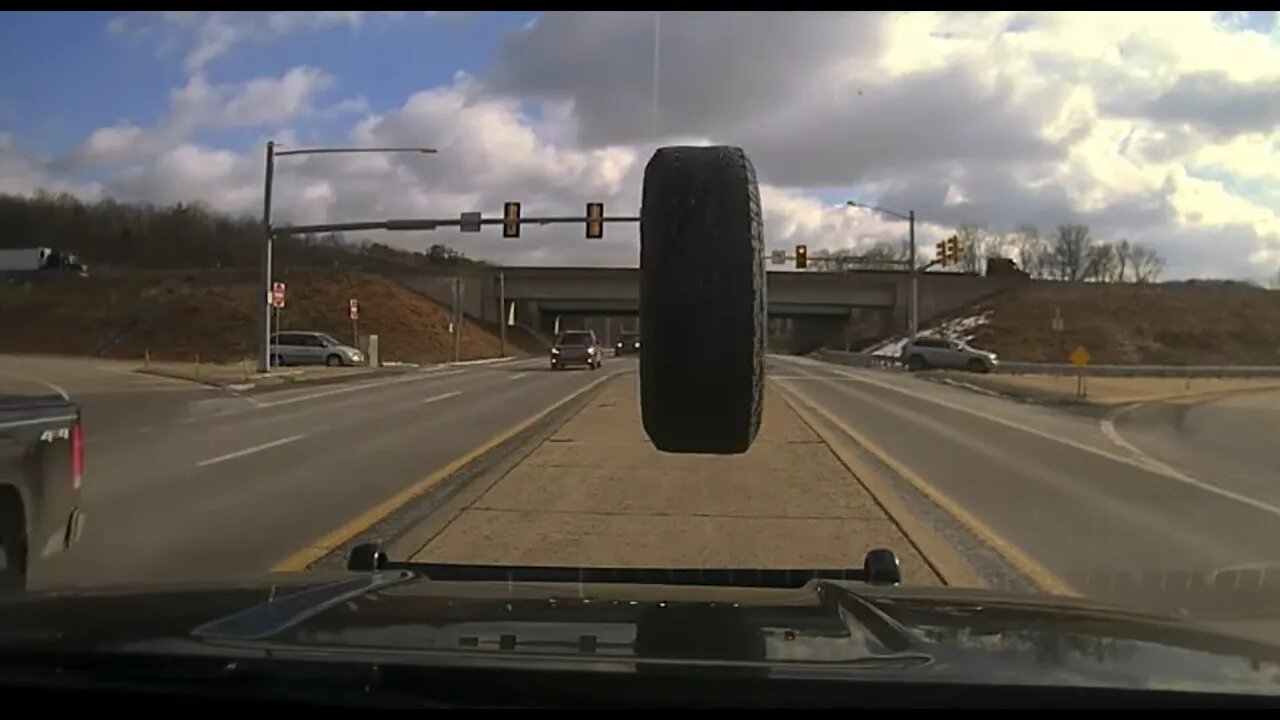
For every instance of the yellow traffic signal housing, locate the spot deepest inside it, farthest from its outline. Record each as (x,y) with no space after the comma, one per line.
(595,221)
(940,252)
(953,249)
(511,220)
(802,257)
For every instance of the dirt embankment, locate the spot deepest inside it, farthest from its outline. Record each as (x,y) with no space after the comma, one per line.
(214,315)
(1171,323)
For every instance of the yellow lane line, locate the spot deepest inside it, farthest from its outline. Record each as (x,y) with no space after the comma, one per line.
(304,557)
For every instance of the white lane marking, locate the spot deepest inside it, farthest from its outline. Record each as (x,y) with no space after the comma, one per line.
(1151,466)
(249,451)
(517,376)
(56,388)
(445,396)
(353,388)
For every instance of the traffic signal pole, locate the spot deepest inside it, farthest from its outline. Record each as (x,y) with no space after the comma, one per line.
(913,312)
(264,296)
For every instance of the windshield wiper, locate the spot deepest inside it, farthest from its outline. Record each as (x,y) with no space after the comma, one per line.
(880,566)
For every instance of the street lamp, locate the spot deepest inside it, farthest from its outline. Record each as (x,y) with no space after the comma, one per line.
(264,358)
(913,303)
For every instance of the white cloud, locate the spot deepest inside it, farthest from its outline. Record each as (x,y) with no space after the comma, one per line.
(199,106)
(1159,127)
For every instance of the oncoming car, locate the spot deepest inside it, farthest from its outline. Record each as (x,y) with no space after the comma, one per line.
(627,343)
(931,352)
(577,347)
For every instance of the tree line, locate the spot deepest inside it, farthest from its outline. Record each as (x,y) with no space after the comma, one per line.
(187,236)
(1069,253)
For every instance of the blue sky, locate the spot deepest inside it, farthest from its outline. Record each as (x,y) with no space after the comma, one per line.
(51,100)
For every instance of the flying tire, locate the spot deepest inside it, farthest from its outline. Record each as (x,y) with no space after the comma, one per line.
(702,301)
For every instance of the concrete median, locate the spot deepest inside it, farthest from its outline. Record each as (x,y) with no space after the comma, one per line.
(597,493)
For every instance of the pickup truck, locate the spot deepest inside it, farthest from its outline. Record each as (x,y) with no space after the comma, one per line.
(41,465)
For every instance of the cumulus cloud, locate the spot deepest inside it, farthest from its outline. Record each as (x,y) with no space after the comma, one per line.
(1153,127)
(994,118)
(199,105)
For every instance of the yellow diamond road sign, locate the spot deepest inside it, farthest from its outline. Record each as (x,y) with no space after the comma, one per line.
(1079,356)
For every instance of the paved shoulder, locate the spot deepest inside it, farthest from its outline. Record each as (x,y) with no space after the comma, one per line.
(597,493)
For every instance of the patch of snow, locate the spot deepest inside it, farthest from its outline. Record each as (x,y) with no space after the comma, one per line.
(960,328)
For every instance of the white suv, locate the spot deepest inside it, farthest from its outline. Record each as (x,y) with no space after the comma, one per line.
(930,352)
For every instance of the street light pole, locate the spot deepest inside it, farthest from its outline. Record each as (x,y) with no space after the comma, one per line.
(913,300)
(502,313)
(913,310)
(264,357)
(264,297)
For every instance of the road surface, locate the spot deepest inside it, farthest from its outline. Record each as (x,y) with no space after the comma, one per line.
(184,482)
(1233,439)
(1073,506)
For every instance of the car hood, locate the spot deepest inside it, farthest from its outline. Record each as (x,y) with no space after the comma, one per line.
(820,627)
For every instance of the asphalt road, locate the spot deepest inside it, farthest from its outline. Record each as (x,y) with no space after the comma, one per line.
(1234,439)
(184,482)
(1074,507)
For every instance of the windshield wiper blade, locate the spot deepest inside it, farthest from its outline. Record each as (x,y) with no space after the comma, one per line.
(739,577)
(276,614)
(880,566)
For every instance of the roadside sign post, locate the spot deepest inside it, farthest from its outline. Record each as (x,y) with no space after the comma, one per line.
(275,302)
(1080,358)
(502,308)
(457,319)
(353,311)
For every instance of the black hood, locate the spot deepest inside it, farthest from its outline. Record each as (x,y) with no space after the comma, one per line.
(825,628)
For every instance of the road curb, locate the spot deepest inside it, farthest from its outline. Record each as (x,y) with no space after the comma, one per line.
(484,361)
(280,382)
(1051,399)
(945,560)
(420,534)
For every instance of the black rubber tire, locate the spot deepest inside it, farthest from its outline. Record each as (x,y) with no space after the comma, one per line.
(976,366)
(277,361)
(13,538)
(915,363)
(702,301)
(334,361)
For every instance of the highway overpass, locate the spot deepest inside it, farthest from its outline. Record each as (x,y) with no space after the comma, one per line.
(823,302)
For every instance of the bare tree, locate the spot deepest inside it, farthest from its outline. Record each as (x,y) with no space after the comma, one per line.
(1147,263)
(1124,255)
(1029,250)
(973,241)
(1069,252)
(1100,263)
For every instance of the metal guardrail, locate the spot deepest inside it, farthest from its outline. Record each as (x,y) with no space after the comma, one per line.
(1026,368)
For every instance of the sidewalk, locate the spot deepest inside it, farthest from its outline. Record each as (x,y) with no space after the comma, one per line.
(597,493)
(245,376)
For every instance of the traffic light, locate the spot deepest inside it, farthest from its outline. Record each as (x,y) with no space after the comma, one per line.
(802,257)
(511,220)
(595,221)
(953,249)
(940,252)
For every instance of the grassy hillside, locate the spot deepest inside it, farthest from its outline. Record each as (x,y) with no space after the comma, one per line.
(176,316)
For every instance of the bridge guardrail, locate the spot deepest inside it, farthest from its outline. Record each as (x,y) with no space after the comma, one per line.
(855,359)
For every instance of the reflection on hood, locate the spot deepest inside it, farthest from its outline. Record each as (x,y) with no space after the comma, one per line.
(821,628)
